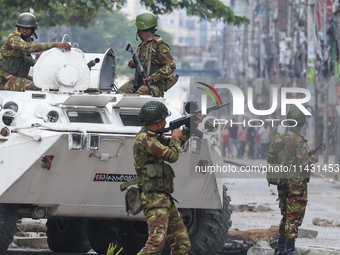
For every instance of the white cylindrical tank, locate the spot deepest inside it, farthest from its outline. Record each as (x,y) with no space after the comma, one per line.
(58,69)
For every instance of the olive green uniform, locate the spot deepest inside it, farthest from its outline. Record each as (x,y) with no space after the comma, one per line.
(16,60)
(164,221)
(158,62)
(291,149)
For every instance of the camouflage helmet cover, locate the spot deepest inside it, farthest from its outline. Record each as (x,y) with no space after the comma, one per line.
(297,115)
(152,112)
(27,19)
(145,21)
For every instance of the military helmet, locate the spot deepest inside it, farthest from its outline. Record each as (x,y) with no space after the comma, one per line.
(146,20)
(27,19)
(152,112)
(297,115)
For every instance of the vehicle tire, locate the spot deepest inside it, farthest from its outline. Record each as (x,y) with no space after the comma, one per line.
(8,220)
(136,234)
(103,232)
(67,235)
(131,235)
(208,228)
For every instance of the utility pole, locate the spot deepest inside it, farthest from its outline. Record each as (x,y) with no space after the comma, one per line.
(311,70)
(327,85)
(252,63)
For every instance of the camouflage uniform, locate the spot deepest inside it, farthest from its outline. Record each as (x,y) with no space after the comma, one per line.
(163,218)
(162,66)
(288,149)
(15,61)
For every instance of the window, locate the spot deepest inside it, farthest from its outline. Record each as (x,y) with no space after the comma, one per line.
(190,24)
(190,41)
(130,119)
(84,116)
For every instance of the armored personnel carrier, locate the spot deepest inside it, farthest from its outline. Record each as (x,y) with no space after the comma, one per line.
(65,150)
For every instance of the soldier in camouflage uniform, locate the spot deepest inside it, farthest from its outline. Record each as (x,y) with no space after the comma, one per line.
(291,149)
(155,57)
(15,57)
(151,150)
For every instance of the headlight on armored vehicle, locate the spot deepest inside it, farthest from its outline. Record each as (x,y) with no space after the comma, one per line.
(75,141)
(8,117)
(11,106)
(93,142)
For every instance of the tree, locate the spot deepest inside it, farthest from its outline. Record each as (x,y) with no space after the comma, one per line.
(110,30)
(83,12)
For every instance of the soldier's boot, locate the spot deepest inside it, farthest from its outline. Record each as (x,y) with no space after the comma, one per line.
(291,247)
(281,247)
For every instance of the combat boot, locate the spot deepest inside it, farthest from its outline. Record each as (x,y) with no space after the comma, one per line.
(281,247)
(291,247)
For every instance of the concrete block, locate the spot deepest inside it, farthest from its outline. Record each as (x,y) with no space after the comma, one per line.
(307,233)
(32,242)
(261,248)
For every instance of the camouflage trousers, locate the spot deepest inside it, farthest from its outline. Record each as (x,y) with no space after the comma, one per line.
(14,83)
(164,222)
(128,88)
(292,202)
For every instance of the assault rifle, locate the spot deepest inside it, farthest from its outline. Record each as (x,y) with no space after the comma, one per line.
(140,69)
(189,119)
(321,146)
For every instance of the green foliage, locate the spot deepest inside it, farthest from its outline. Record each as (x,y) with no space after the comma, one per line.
(110,30)
(96,25)
(83,12)
(186,64)
(67,12)
(206,10)
(210,64)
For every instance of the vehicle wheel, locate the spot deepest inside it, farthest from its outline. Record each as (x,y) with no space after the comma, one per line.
(135,234)
(67,235)
(208,228)
(103,232)
(131,235)
(8,220)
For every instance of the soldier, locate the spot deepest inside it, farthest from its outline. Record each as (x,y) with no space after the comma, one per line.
(156,58)
(15,57)
(291,149)
(150,152)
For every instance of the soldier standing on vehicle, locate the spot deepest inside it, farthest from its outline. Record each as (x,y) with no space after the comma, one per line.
(155,57)
(151,150)
(16,59)
(291,149)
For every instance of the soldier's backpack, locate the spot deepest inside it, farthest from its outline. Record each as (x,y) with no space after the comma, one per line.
(277,174)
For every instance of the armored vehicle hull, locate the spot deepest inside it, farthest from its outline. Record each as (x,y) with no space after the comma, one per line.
(65,150)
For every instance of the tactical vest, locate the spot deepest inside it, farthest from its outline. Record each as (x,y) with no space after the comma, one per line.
(152,67)
(19,66)
(157,177)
